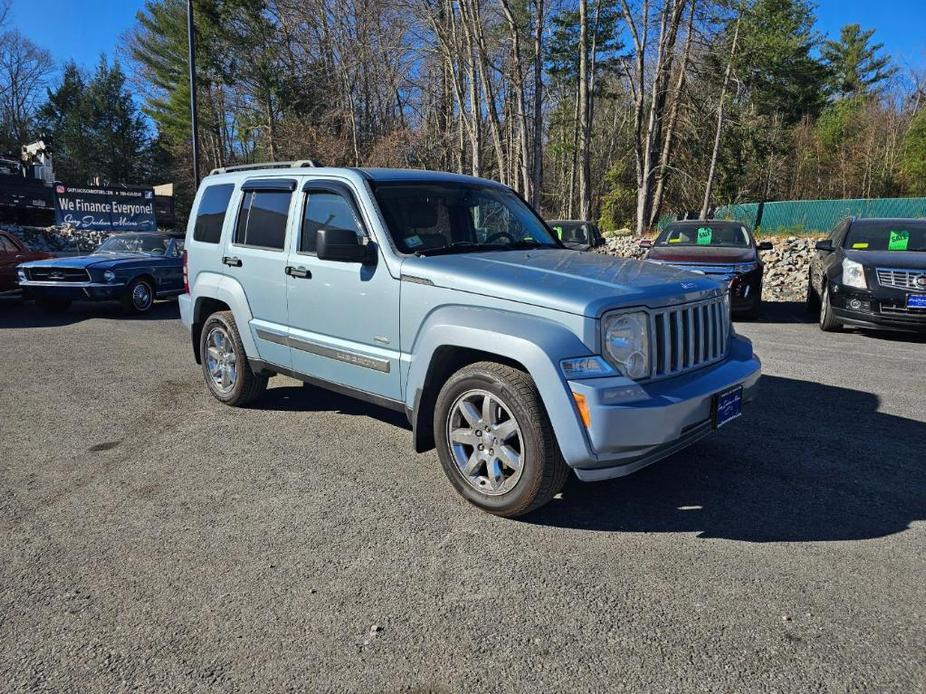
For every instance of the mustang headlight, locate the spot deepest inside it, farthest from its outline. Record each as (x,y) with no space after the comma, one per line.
(21,274)
(109,275)
(853,274)
(625,343)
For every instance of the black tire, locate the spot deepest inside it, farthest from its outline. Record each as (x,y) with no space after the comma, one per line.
(754,312)
(247,386)
(543,470)
(828,322)
(51,305)
(139,296)
(813,299)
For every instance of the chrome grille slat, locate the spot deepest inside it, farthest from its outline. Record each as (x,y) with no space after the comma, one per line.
(58,274)
(666,341)
(689,319)
(900,279)
(679,354)
(687,337)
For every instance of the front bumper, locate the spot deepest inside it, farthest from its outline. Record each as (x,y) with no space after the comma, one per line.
(74,291)
(879,308)
(634,425)
(745,287)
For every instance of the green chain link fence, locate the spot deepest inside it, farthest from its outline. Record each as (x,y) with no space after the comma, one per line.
(817,215)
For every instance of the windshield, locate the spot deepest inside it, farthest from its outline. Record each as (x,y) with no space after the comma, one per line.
(572,232)
(887,236)
(442,217)
(727,234)
(144,244)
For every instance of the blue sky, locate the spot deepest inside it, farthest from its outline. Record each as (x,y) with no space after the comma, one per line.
(82,29)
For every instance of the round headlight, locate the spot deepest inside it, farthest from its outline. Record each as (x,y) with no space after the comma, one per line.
(625,338)
(109,275)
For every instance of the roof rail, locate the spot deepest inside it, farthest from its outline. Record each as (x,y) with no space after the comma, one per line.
(296,164)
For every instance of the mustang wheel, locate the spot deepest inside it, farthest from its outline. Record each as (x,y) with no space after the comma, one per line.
(139,297)
(225,364)
(828,322)
(495,441)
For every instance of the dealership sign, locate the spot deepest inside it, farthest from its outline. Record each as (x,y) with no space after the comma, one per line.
(105,208)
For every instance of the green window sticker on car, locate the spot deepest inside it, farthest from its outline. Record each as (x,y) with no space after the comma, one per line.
(898,241)
(705,234)
(559,232)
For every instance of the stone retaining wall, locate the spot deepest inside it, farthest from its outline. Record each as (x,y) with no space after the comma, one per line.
(785,265)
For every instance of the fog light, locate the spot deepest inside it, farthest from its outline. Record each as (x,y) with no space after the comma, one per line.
(855,304)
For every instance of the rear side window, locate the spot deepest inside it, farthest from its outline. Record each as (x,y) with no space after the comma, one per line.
(210,217)
(325,210)
(262,219)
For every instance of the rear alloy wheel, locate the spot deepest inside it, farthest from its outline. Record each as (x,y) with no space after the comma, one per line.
(495,441)
(139,297)
(828,322)
(225,364)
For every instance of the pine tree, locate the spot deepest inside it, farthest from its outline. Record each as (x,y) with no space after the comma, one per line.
(775,62)
(96,130)
(854,63)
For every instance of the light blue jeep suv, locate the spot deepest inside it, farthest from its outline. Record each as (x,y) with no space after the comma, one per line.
(447,297)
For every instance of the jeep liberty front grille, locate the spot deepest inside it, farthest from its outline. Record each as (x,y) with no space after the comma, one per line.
(688,337)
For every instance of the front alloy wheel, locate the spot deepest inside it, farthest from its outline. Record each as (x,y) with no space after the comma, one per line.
(495,441)
(486,442)
(828,322)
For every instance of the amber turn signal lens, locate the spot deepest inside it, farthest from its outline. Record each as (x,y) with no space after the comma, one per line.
(582,406)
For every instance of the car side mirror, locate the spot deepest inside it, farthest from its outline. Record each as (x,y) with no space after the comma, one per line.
(765,246)
(646,243)
(342,245)
(825,245)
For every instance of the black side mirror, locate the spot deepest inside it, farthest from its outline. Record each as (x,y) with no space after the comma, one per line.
(646,243)
(765,246)
(342,245)
(825,245)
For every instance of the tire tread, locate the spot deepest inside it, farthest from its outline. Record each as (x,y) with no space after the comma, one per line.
(252,385)
(555,472)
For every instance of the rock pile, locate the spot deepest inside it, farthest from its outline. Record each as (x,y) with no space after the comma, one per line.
(785,265)
(58,238)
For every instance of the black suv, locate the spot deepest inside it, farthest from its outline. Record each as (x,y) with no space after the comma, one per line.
(871,273)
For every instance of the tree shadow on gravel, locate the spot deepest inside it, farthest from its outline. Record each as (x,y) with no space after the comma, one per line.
(806,462)
(308,398)
(16,313)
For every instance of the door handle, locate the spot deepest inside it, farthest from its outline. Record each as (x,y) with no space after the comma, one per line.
(232,261)
(298,272)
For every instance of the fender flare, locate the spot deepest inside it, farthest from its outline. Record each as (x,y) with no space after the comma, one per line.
(536,343)
(210,285)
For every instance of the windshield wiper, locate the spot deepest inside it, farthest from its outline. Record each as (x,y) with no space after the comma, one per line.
(453,247)
(525,243)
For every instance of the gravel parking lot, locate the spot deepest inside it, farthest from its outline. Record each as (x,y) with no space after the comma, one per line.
(151,538)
